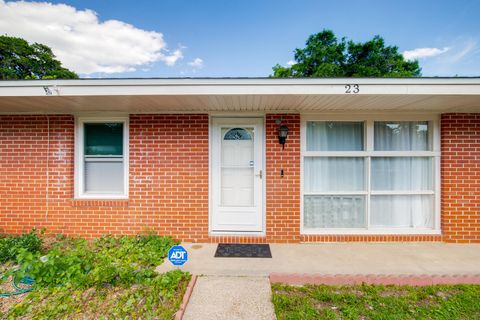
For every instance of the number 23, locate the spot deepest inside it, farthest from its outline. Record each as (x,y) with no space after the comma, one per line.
(352,88)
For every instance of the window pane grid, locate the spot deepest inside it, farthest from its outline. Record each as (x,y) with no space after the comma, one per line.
(401,194)
(103,168)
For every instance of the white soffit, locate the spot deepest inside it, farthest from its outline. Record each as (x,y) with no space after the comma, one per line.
(239,95)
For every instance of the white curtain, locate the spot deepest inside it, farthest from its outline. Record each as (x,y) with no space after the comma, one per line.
(334,136)
(401,136)
(339,211)
(327,174)
(347,174)
(407,211)
(334,174)
(402,173)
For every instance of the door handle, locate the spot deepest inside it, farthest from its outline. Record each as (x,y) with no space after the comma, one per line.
(260,174)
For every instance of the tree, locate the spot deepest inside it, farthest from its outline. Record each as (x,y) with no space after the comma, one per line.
(326,56)
(20,60)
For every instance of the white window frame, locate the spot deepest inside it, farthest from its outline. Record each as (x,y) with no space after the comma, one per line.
(367,154)
(80,163)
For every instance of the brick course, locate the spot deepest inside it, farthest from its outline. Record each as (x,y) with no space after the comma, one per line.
(383,279)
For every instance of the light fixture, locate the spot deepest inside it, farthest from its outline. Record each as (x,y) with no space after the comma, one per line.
(282,135)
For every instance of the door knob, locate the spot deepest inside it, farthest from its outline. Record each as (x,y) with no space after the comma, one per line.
(259,174)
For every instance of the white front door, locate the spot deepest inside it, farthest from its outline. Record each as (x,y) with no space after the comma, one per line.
(237,175)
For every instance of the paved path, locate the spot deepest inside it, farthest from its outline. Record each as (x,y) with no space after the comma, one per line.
(232,298)
(238,288)
(340,258)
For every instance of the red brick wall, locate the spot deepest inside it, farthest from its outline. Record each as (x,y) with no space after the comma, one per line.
(168,178)
(169,181)
(23,155)
(460,142)
(283,194)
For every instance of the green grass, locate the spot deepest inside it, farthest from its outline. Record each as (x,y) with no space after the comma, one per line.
(377,302)
(109,278)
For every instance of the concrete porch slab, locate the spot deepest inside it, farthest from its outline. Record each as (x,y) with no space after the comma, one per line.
(339,258)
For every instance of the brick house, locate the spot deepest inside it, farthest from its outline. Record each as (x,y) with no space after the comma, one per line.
(201,159)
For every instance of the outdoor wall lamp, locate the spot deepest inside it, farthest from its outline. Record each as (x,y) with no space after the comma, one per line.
(282,135)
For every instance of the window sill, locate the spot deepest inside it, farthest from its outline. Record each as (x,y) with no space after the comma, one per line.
(92,203)
(99,196)
(379,231)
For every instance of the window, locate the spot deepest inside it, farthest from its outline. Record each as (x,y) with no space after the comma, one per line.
(369,176)
(101,166)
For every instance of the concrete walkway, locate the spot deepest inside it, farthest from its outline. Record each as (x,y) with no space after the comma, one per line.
(238,288)
(340,258)
(220,297)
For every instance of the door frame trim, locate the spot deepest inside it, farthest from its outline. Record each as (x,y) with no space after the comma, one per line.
(210,177)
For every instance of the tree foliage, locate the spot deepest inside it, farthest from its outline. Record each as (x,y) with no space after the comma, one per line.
(21,60)
(327,56)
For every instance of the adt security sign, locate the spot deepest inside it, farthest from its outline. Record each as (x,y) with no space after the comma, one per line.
(177,255)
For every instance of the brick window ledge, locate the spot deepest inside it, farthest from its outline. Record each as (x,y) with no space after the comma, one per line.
(93,203)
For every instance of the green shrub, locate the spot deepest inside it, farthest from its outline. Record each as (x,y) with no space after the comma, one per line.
(55,268)
(11,246)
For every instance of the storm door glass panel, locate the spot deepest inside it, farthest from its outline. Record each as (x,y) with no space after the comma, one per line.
(401,136)
(237,167)
(103,158)
(334,136)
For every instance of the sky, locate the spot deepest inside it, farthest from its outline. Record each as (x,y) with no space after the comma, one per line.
(238,38)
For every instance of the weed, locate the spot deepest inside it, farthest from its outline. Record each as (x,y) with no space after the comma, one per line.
(111,277)
(11,246)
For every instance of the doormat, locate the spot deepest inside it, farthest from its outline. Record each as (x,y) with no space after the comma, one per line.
(243,250)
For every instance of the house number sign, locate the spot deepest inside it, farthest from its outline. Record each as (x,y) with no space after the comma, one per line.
(352,88)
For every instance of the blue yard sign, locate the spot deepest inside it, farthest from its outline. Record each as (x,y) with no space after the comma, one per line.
(177,255)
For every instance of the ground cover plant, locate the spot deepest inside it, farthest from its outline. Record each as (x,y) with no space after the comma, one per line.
(10,246)
(109,278)
(376,302)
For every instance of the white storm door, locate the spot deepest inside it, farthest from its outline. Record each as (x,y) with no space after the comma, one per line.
(237,175)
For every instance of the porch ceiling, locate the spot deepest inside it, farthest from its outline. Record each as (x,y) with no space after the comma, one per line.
(239,95)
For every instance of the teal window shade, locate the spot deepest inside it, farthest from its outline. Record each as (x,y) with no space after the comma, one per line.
(103,139)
